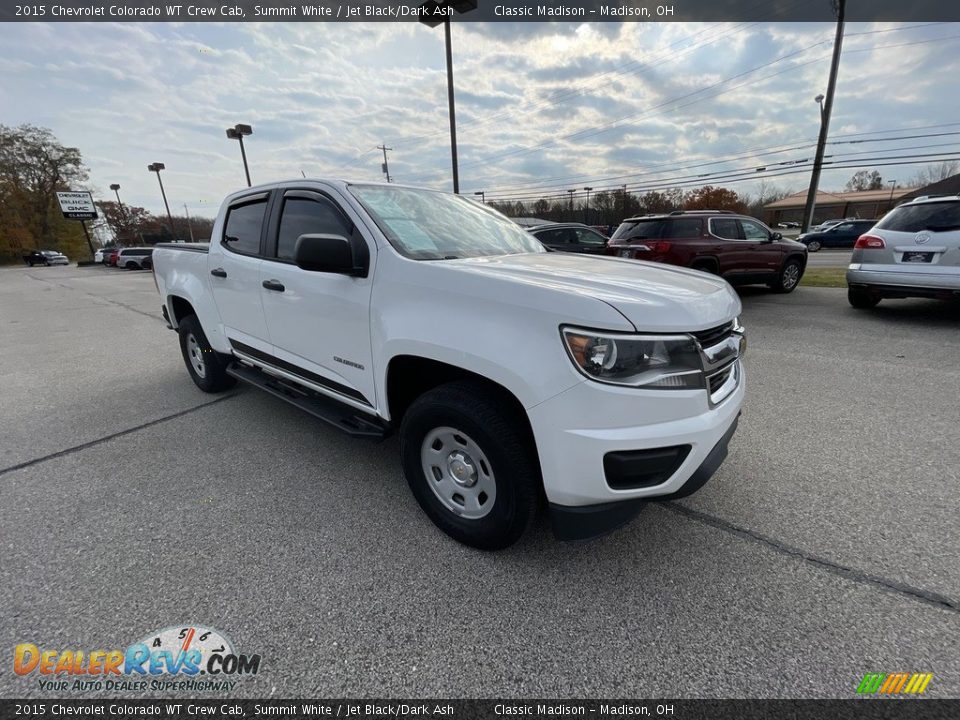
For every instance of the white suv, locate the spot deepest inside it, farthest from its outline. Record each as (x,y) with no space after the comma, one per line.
(913,252)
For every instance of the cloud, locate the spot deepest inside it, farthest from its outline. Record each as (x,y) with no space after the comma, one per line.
(535,102)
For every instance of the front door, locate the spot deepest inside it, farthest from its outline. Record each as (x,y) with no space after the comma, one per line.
(319,322)
(764,256)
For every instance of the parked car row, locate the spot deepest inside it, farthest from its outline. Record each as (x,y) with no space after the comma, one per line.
(739,248)
(135,258)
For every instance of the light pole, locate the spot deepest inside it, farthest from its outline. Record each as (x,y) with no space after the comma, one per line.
(156,168)
(586,208)
(123,213)
(825,111)
(893,186)
(236,133)
(483,196)
(571,192)
(429,12)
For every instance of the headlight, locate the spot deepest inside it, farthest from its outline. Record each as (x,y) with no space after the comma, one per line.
(654,361)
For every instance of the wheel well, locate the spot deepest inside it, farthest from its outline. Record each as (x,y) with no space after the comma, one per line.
(181,308)
(410,376)
(797,256)
(706,262)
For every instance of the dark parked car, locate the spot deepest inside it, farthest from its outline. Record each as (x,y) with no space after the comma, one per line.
(571,237)
(841,235)
(45,257)
(741,249)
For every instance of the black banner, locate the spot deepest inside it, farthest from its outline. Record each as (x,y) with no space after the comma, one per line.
(476,11)
(857,709)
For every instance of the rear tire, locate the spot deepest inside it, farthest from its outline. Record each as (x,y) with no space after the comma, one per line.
(207,368)
(131,265)
(471,464)
(789,277)
(703,266)
(862,299)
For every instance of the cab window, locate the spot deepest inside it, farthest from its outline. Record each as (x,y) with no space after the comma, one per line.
(309,216)
(243,227)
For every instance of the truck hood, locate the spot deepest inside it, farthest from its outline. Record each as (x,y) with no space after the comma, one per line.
(652,296)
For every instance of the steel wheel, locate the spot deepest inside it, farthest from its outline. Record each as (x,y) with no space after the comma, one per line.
(196,356)
(458,472)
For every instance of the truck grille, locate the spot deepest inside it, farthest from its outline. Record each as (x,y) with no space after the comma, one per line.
(717,380)
(712,336)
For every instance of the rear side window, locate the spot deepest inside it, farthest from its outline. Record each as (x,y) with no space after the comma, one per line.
(935,217)
(639,230)
(684,228)
(243,227)
(725,228)
(302,216)
(553,237)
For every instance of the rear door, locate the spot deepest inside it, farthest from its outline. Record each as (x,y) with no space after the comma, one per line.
(234,265)
(319,322)
(732,251)
(561,239)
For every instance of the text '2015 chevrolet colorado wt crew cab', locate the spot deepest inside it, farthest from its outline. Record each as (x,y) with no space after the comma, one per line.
(510,372)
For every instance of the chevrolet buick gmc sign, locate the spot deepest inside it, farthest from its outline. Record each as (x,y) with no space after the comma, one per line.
(77,205)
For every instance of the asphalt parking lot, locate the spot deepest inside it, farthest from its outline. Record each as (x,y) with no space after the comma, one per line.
(830,257)
(827,546)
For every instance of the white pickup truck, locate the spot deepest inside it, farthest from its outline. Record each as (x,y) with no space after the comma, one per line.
(511,373)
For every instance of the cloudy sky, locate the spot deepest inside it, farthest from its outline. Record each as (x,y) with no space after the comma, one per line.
(541,107)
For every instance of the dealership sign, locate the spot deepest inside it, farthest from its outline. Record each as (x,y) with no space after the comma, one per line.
(77,205)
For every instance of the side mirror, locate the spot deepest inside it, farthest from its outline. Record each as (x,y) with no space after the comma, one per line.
(327,253)
(776,236)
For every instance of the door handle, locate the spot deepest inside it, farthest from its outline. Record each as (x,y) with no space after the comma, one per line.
(219,272)
(274,285)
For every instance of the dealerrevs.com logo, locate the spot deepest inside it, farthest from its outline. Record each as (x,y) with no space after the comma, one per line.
(188,657)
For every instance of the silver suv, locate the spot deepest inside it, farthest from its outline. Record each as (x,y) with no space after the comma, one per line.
(913,252)
(135,258)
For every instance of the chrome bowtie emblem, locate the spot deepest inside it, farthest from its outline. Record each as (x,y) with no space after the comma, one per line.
(921,238)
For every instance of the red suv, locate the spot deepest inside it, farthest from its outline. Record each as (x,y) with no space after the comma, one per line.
(741,249)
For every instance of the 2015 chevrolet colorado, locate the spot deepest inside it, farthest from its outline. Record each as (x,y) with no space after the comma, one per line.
(511,373)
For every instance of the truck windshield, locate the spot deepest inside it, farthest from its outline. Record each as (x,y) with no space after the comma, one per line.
(429,225)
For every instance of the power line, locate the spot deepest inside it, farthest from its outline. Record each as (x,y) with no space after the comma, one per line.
(748,174)
(506,192)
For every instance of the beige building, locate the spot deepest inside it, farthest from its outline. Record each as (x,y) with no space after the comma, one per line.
(865,205)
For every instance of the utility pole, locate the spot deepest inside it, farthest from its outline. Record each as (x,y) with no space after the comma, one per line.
(189,224)
(385,167)
(840,6)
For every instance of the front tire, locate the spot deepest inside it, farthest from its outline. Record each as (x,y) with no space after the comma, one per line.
(207,368)
(814,245)
(862,299)
(471,464)
(789,277)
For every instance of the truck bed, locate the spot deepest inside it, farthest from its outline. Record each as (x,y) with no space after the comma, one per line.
(189,247)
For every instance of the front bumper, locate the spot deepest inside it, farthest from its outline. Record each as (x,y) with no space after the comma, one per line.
(578,428)
(586,522)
